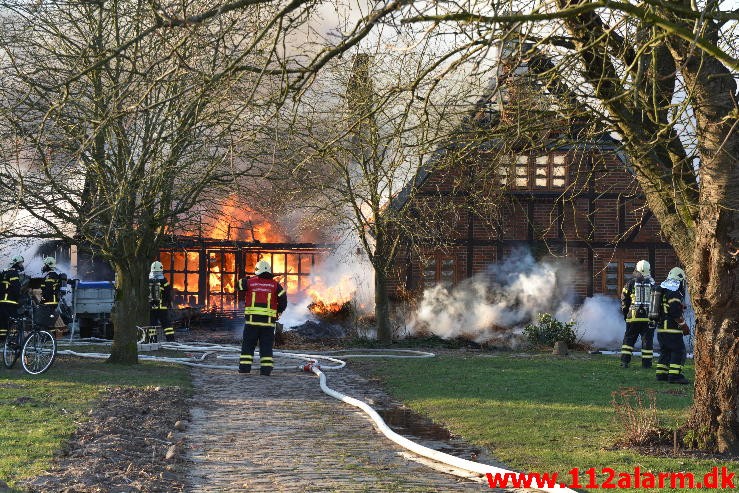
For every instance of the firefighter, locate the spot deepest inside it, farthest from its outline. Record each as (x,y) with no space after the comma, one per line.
(160,298)
(671,328)
(265,301)
(51,293)
(635,299)
(11,286)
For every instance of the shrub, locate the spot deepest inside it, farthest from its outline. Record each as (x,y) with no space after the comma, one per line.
(549,330)
(636,410)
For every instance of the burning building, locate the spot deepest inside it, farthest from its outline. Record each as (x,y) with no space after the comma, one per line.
(204,271)
(205,267)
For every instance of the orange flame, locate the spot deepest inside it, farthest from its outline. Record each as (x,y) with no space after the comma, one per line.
(330,299)
(236,221)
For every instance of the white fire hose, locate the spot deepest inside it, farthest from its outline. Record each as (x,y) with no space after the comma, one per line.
(312,365)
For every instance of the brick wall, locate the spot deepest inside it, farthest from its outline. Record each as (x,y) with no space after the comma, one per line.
(581,223)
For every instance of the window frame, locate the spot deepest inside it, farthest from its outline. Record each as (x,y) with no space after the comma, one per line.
(548,162)
(438,260)
(624,267)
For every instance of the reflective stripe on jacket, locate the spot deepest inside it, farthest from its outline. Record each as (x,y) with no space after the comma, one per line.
(672,309)
(265,300)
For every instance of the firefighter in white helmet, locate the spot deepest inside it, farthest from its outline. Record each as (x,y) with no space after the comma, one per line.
(671,327)
(51,286)
(160,299)
(11,287)
(265,300)
(635,299)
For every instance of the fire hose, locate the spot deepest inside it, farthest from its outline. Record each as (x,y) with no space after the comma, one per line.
(312,365)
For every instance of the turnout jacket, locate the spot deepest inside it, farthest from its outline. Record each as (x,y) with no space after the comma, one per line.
(265,299)
(11,282)
(672,311)
(160,293)
(51,287)
(635,299)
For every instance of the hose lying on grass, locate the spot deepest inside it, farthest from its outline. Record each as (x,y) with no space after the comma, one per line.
(313,364)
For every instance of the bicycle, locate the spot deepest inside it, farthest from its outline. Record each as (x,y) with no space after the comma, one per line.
(37,350)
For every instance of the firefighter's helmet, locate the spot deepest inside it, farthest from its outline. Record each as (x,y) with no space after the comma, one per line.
(50,262)
(157,266)
(16,260)
(677,274)
(642,267)
(262,267)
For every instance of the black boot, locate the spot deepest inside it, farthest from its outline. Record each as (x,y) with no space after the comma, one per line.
(244,368)
(678,379)
(170,337)
(661,377)
(265,370)
(625,361)
(646,363)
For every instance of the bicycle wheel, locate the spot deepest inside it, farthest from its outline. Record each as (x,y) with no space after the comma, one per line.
(12,347)
(39,352)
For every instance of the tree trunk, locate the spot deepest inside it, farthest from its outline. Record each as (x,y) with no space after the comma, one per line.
(131,309)
(714,422)
(382,308)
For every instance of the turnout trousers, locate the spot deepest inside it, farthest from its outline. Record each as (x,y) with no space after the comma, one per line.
(671,356)
(7,311)
(265,337)
(160,316)
(634,330)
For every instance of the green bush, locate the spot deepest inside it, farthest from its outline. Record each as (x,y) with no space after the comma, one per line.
(549,330)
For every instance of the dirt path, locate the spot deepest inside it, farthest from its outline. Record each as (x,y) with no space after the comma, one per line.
(281,433)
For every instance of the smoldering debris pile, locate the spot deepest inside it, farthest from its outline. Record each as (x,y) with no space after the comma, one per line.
(332,312)
(316,330)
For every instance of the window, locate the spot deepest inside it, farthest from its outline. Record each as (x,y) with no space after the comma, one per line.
(550,171)
(559,171)
(182,269)
(504,169)
(439,270)
(522,171)
(222,279)
(611,279)
(290,268)
(615,274)
(541,178)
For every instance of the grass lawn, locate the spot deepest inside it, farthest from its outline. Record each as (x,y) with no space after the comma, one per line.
(38,413)
(541,413)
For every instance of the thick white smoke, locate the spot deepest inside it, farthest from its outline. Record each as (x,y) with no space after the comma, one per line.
(496,306)
(26,247)
(346,274)
(600,322)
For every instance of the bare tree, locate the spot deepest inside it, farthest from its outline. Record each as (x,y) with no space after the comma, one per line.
(662,77)
(120,117)
(357,140)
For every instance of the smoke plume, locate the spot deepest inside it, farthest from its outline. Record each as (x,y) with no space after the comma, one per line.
(346,275)
(495,306)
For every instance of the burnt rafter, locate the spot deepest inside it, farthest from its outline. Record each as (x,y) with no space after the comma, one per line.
(205,271)
(196,242)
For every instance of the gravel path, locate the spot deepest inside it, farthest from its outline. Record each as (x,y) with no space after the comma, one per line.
(282,434)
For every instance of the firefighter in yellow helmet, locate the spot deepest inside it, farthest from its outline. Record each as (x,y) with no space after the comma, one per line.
(160,299)
(265,300)
(11,287)
(635,299)
(671,327)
